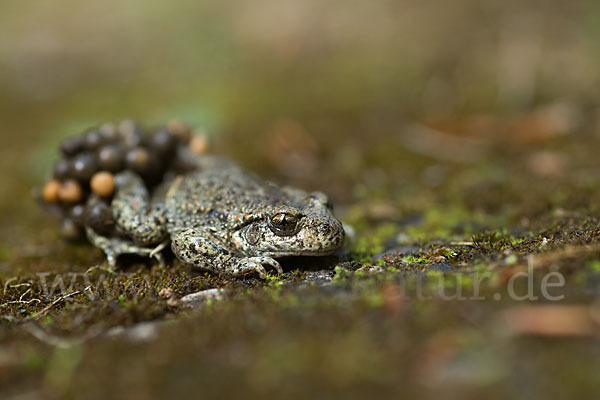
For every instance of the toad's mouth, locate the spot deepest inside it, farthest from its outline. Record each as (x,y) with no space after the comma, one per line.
(304,252)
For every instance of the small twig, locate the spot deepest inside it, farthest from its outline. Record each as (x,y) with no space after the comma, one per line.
(20,284)
(8,282)
(24,293)
(20,302)
(55,302)
(101,268)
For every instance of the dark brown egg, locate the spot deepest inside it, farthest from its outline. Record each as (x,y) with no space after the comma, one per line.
(77,214)
(127,126)
(180,130)
(139,160)
(132,140)
(130,133)
(109,132)
(71,146)
(111,158)
(62,169)
(99,217)
(163,142)
(93,140)
(84,166)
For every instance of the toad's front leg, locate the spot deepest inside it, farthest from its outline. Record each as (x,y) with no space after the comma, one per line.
(193,247)
(136,214)
(141,219)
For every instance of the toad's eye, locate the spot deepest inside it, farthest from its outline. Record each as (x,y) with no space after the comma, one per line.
(283,224)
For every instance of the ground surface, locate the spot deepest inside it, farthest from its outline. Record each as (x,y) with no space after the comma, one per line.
(459,146)
(418,302)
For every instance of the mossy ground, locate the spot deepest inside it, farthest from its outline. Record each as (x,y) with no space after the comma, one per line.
(418,302)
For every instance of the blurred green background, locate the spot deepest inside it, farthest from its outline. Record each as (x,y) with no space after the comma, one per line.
(338,80)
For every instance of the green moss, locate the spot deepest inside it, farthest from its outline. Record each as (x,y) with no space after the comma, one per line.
(444,222)
(372,242)
(415,259)
(341,274)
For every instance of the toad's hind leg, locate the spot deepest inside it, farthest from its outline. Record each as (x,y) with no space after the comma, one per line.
(141,219)
(193,247)
(114,247)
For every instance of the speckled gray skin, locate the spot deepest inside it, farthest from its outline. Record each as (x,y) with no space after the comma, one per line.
(220,218)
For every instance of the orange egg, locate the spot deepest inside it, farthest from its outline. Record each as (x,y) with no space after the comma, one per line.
(50,191)
(70,192)
(199,144)
(180,129)
(103,184)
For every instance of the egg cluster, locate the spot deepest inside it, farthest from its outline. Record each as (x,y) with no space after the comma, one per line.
(83,180)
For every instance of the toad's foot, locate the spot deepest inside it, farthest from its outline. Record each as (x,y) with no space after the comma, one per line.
(255,264)
(114,247)
(193,247)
